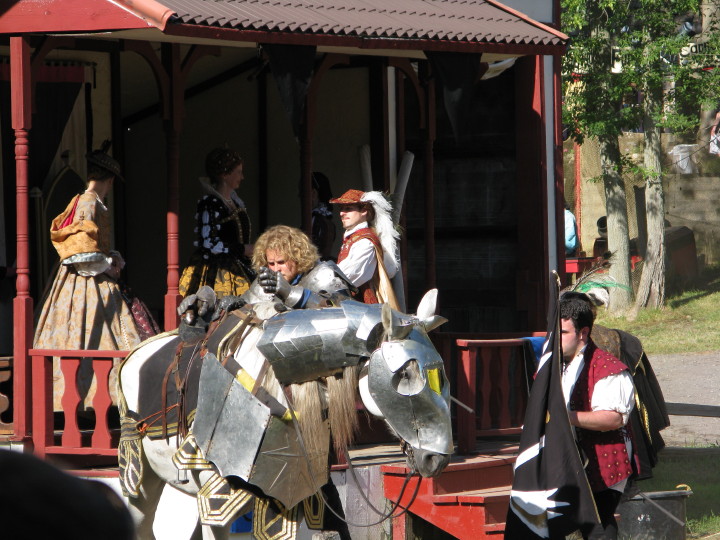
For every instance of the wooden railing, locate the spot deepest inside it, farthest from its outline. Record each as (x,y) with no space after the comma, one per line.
(6,428)
(73,439)
(490,374)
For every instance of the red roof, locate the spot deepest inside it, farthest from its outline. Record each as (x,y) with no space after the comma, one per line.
(459,25)
(479,21)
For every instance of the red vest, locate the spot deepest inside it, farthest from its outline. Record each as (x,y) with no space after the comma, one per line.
(608,460)
(366,292)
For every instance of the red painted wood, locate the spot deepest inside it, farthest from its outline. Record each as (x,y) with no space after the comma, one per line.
(483,381)
(88,353)
(42,415)
(70,402)
(72,439)
(95,473)
(81,451)
(559,177)
(466,420)
(101,403)
(485,385)
(429,199)
(173,128)
(66,16)
(399,531)
(20,99)
(468,500)
(503,390)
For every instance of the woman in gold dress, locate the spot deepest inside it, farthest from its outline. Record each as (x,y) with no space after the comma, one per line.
(85,308)
(221,259)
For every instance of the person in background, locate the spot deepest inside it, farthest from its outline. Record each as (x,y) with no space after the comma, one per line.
(600,396)
(715,135)
(86,307)
(368,255)
(221,259)
(571,240)
(323,227)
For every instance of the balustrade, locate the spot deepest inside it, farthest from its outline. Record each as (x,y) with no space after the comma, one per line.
(74,438)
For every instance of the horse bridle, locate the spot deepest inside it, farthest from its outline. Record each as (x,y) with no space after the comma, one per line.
(384,517)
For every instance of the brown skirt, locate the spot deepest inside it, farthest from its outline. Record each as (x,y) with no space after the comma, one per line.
(84,313)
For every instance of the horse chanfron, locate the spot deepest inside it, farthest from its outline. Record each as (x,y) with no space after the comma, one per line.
(404,382)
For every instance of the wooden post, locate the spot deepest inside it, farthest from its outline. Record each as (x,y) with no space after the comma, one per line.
(430,255)
(21,104)
(173,127)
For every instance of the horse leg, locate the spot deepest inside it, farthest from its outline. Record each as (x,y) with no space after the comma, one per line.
(143,507)
(215,533)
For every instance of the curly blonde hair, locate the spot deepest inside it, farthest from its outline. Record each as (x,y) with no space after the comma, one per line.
(291,242)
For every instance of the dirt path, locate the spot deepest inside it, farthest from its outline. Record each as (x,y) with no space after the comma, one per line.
(690,378)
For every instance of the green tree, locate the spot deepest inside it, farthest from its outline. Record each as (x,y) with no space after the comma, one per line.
(621,49)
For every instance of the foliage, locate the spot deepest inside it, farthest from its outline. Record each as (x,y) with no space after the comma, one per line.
(645,35)
(628,65)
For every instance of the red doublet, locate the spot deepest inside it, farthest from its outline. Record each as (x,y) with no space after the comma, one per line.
(366,292)
(609,462)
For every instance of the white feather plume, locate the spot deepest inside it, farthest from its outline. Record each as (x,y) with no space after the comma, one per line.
(383,224)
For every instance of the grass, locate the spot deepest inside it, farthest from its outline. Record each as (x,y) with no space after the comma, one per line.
(689,322)
(698,468)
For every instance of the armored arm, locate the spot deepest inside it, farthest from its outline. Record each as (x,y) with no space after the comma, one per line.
(293,296)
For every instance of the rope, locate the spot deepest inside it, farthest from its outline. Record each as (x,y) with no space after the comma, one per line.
(314,482)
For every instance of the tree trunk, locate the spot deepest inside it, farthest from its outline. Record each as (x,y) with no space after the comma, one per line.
(651,292)
(617,226)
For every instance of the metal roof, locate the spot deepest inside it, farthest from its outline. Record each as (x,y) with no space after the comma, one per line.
(455,21)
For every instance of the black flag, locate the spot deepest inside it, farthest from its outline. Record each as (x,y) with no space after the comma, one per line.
(550,496)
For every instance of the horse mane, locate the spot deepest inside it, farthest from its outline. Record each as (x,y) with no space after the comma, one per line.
(336,394)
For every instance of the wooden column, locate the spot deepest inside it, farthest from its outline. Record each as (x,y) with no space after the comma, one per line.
(430,255)
(21,104)
(173,126)
(170,74)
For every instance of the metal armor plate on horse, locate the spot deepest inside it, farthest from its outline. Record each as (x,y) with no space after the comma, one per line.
(407,379)
(262,450)
(232,447)
(303,345)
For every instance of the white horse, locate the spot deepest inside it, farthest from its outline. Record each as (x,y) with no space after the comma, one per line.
(389,362)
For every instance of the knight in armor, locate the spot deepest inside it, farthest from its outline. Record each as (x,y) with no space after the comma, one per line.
(368,255)
(290,275)
(289,268)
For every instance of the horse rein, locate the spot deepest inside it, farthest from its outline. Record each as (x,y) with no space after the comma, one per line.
(384,517)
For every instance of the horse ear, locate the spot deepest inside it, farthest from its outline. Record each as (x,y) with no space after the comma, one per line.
(426,308)
(395,327)
(431,323)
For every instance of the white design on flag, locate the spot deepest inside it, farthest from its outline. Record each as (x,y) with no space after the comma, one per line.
(535,509)
(546,354)
(529,453)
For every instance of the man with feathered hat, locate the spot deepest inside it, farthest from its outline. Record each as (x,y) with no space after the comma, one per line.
(368,255)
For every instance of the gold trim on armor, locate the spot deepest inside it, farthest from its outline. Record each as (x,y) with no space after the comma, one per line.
(272,526)
(219,502)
